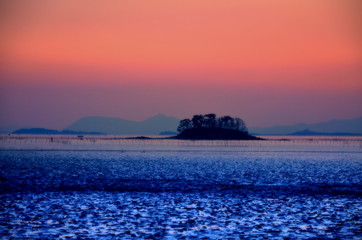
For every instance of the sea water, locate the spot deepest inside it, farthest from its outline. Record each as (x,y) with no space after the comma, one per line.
(106,187)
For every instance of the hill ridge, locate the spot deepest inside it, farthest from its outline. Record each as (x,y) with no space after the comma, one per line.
(350,126)
(113,125)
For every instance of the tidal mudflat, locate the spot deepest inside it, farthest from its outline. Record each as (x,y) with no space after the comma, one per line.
(104,188)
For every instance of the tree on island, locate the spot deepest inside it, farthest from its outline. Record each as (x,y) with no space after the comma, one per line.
(211,121)
(211,127)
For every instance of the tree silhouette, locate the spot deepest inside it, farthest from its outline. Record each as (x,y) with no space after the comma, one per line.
(226,122)
(240,125)
(184,124)
(198,121)
(211,121)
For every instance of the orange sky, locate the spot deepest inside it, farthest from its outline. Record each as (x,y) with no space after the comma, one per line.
(283,45)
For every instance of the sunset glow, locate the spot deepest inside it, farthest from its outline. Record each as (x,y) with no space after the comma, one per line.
(270,62)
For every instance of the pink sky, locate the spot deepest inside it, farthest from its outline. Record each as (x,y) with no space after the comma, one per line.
(268,62)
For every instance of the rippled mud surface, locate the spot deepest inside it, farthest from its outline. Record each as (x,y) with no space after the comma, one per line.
(180,190)
(174,215)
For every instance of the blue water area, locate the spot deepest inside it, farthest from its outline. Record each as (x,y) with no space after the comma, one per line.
(95,189)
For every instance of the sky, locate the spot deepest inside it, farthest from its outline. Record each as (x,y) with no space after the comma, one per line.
(270,62)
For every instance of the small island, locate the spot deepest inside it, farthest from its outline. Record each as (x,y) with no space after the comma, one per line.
(210,127)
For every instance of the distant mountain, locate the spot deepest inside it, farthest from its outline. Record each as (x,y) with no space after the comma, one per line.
(10,129)
(352,126)
(167,133)
(307,132)
(46,131)
(150,126)
(161,123)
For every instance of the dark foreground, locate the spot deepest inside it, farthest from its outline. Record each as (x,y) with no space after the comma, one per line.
(255,190)
(175,215)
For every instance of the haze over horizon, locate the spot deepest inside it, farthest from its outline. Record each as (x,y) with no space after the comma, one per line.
(65,127)
(269,62)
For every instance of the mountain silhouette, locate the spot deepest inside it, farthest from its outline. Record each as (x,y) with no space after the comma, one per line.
(45,131)
(161,123)
(350,126)
(307,132)
(151,126)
